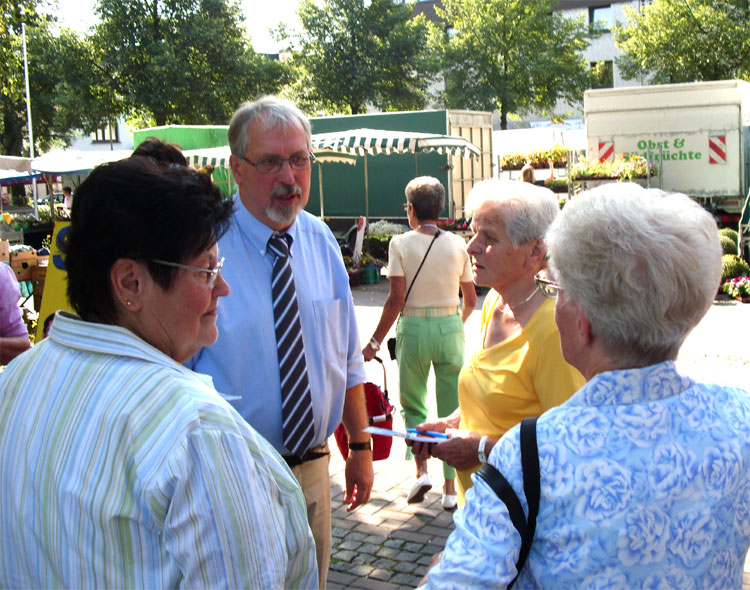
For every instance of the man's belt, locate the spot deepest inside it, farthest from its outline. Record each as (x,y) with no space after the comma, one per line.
(309,455)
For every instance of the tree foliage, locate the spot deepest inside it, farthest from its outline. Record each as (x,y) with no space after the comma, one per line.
(686,41)
(511,55)
(352,53)
(179,61)
(48,54)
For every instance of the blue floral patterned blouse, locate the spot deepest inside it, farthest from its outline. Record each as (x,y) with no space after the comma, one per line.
(645,483)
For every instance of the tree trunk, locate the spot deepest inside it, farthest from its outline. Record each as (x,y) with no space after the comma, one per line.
(503,119)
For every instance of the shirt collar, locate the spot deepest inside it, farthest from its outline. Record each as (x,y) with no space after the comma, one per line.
(633,386)
(71,331)
(255,230)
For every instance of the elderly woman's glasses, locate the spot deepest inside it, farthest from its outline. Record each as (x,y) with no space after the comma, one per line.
(273,164)
(547,284)
(212,273)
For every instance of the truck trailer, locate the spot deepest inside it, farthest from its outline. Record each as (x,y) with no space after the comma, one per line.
(697,134)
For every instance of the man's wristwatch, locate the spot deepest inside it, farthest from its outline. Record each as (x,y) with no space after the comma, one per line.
(374,344)
(481,454)
(361,446)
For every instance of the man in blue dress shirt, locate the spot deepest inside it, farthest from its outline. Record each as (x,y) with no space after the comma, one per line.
(271,162)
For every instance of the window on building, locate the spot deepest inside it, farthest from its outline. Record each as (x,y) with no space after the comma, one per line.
(108,134)
(604,73)
(601,16)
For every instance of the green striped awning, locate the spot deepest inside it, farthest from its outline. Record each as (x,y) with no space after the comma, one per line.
(380,141)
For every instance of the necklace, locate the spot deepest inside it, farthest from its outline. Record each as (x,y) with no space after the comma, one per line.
(524,302)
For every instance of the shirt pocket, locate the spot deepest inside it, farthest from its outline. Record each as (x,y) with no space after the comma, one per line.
(331,327)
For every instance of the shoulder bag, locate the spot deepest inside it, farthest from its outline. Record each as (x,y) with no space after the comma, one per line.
(392,341)
(530,464)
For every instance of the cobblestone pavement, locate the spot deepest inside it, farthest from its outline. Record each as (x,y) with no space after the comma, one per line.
(388,544)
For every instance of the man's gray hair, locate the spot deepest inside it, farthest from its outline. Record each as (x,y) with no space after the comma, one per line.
(526,210)
(643,265)
(272,112)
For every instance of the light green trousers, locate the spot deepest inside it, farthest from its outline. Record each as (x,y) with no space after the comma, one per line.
(421,343)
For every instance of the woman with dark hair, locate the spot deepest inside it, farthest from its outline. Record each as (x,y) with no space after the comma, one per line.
(430,329)
(162,151)
(120,467)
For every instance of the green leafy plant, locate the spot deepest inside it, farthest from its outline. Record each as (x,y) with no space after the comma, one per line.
(733,266)
(623,168)
(728,246)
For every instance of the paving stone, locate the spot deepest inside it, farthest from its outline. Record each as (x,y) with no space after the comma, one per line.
(387,552)
(339,566)
(348,545)
(338,532)
(414,547)
(394,543)
(355,536)
(384,563)
(368,548)
(344,555)
(341,523)
(406,580)
(407,556)
(405,567)
(376,539)
(436,531)
(425,560)
(433,549)
(341,578)
(373,584)
(361,570)
(381,574)
(411,536)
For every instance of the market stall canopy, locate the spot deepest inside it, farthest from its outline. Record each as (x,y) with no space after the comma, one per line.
(74,161)
(218,157)
(364,142)
(17,177)
(381,141)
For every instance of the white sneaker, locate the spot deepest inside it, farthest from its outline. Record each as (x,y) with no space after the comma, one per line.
(423,485)
(450,501)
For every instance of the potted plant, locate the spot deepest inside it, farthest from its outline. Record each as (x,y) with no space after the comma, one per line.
(738,287)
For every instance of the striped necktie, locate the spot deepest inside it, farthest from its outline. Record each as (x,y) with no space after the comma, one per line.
(296,400)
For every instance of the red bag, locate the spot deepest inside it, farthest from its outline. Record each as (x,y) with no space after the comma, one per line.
(380,413)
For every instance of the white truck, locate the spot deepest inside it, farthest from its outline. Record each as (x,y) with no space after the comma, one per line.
(697,134)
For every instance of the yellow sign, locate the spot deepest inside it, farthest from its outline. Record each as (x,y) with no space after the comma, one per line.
(55,294)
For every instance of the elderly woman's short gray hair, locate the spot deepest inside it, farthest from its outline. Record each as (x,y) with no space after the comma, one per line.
(273,111)
(643,265)
(524,209)
(427,196)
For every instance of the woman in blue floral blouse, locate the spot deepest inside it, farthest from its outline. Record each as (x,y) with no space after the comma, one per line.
(645,473)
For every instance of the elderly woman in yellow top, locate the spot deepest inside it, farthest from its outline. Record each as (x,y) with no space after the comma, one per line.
(518,370)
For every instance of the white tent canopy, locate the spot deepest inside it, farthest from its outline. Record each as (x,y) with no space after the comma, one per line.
(381,141)
(75,161)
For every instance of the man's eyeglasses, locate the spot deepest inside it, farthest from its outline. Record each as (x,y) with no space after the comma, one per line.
(212,273)
(273,164)
(547,284)
(407,206)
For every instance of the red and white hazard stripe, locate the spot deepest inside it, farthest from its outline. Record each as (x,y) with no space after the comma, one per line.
(606,150)
(717,149)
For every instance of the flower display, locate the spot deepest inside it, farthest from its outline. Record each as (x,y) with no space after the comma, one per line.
(737,287)
(624,168)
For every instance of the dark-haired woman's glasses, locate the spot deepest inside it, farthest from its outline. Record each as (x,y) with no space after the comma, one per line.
(273,164)
(212,273)
(546,283)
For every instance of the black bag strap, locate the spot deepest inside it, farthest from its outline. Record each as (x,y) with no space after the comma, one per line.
(416,274)
(530,464)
